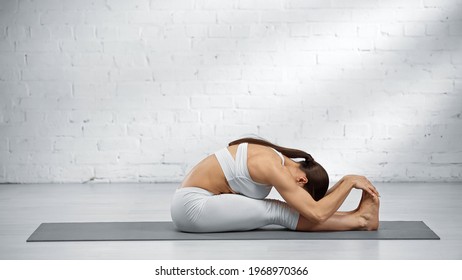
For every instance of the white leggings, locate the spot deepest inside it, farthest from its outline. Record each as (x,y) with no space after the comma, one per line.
(197,210)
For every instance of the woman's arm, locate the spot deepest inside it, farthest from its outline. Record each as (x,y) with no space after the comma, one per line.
(301,200)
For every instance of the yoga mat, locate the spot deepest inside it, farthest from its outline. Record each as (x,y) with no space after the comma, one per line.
(126,231)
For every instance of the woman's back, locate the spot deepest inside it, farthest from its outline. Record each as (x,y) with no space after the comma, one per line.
(209,175)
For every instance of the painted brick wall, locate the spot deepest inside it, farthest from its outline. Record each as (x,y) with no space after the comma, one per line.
(140,91)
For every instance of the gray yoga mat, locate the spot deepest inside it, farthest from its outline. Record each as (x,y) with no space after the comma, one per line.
(126,231)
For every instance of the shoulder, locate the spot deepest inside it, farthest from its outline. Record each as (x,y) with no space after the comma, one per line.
(263,156)
(265,166)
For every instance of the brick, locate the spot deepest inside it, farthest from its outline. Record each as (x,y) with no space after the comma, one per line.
(81,46)
(357,131)
(354,4)
(49,89)
(61,32)
(118,144)
(165,117)
(3,144)
(3,32)
(9,75)
(74,144)
(237,17)
(455,29)
(62,174)
(146,157)
(91,59)
(9,5)
(414,29)
(40,5)
(308,15)
(60,17)
(188,116)
(96,158)
(70,74)
(12,117)
(226,74)
(98,117)
(128,5)
(148,130)
(108,33)
(37,46)
(203,102)
(6,46)
(213,116)
(137,88)
(121,47)
(50,158)
(400,4)
(213,44)
(19,130)
(104,17)
(90,130)
(127,74)
(21,173)
(436,28)
(178,4)
(9,89)
(303,4)
(71,5)
(16,33)
(215,5)
(30,144)
(160,172)
(84,32)
(175,74)
(96,90)
(194,17)
(131,117)
(260,5)
(451,158)
(148,17)
(186,131)
(2,174)
(119,173)
(219,31)
(48,59)
(196,31)
(129,32)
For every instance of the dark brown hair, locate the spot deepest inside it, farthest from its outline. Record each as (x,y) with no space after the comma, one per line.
(318,179)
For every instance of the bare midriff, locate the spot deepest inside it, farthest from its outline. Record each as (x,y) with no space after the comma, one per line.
(208,175)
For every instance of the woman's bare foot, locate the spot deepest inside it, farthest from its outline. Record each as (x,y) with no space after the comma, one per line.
(352,211)
(368,212)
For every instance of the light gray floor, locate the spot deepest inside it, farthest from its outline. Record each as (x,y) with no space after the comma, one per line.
(24,207)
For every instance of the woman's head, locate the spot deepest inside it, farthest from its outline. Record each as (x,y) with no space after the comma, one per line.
(317,177)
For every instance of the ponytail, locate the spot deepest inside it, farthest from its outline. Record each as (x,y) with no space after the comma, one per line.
(288,152)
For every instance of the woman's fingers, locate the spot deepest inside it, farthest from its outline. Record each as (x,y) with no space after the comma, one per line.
(361,182)
(374,189)
(367,186)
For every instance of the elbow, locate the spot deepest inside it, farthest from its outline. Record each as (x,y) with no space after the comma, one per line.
(322,218)
(319,218)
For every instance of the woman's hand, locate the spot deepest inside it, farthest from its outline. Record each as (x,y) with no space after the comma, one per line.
(362,183)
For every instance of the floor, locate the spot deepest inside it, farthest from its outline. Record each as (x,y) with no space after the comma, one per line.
(24,206)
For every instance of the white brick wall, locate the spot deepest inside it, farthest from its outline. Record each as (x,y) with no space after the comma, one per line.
(140,91)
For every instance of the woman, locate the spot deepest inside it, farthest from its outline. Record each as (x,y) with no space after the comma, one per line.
(226,192)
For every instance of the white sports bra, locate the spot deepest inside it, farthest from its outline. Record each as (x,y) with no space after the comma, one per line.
(237,174)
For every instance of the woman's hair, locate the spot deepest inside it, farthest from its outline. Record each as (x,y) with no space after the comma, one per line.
(318,180)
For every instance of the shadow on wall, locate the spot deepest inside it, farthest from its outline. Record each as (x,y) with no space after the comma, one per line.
(408,113)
